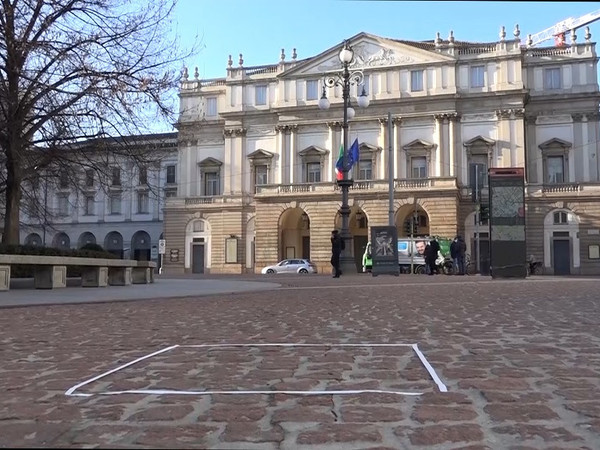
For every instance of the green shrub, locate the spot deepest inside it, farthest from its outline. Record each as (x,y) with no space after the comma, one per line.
(26,271)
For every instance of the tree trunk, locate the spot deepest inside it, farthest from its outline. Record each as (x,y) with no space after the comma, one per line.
(13,200)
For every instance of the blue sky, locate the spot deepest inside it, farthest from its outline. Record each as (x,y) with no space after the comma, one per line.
(261,28)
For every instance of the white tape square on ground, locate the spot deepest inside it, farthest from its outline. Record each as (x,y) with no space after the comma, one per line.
(440,385)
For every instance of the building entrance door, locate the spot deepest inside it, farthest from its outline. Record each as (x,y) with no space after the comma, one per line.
(561,257)
(197,258)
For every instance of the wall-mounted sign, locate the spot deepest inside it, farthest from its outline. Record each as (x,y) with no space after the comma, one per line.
(174,255)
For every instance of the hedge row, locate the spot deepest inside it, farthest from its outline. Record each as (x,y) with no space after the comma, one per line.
(26,271)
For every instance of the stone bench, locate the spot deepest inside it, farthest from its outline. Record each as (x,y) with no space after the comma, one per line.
(51,271)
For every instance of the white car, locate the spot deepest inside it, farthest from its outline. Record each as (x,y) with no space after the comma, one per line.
(291,266)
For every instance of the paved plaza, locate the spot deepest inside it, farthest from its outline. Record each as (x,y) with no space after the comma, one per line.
(520,360)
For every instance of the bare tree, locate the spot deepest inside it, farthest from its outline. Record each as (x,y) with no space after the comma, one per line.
(72,70)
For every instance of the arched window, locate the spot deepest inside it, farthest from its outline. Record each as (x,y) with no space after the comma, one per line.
(560,218)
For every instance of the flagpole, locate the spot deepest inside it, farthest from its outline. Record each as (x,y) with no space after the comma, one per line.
(345,79)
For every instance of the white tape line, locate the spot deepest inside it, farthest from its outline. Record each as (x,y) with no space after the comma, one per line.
(441,386)
(77,386)
(295,345)
(175,392)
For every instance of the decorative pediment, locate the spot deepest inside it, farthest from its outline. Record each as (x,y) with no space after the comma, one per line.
(260,154)
(313,150)
(555,145)
(480,141)
(418,144)
(479,145)
(210,162)
(370,51)
(366,147)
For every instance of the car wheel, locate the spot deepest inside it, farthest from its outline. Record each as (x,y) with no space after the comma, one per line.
(270,271)
(303,271)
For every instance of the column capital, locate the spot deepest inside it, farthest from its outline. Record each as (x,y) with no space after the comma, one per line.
(336,125)
(397,120)
(382,120)
(577,117)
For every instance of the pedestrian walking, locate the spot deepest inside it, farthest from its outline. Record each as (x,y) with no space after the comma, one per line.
(337,245)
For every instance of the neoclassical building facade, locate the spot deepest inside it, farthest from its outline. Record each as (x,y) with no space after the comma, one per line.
(256,162)
(107,198)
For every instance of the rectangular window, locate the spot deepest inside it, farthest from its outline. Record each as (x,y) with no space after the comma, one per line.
(211,106)
(418,167)
(89,178)
(313,172)
(478,172)
(365,169)
(143,176)
(63,205)
(114,204)
(555,170)
(171,174)
(142,202)
(211,183)
(63,179)
(552,79)
(260,94)
(116,177)
(416,80)
(477,76)
(312,90)
(260,175)
(89,206)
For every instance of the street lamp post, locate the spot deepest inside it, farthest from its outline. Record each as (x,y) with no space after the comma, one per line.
(345,79)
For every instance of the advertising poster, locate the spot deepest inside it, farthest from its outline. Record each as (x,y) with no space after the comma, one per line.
(384,250)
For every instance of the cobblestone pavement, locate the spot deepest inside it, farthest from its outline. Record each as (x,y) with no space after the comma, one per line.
(521,360)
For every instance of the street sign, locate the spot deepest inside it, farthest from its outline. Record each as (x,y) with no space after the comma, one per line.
(154,252)
(162,246)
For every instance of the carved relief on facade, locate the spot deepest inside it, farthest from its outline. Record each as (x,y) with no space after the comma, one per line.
(369,55)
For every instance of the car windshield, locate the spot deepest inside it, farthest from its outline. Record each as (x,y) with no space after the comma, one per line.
(283,263)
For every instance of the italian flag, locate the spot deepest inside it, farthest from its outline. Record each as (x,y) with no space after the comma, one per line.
(339,175)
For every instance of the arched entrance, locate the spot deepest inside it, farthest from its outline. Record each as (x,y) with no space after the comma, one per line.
(86,238)
(358,227)
(33,239)
(141,245)
(294,234)
(412,215)
(113,243)
(561,242)
(62,241)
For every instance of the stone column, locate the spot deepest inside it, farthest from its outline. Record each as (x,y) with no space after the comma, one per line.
(334,139)
(399,157)
(292,152)
(437,160)
(504,157)
(534,173)
(382,169)
(238,168)
(518,132)
(227,163)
